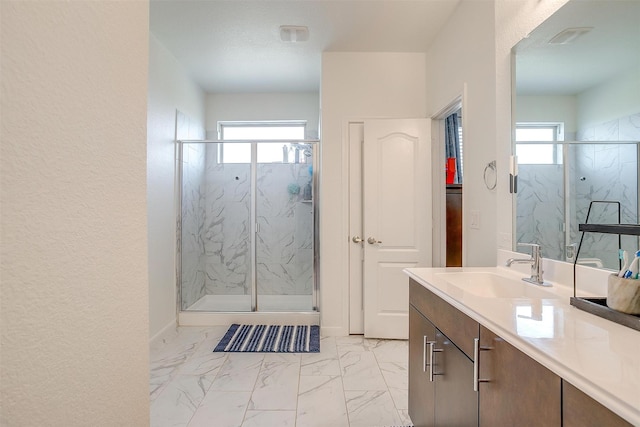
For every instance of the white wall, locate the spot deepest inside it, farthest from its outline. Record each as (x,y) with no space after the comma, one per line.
(461,63)
(74,297)
(472,57)
(611,100)
(355,86)
(263,106)
(548,108)
(170,88)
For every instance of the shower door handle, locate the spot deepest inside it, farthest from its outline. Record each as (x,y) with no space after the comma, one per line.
(356,239)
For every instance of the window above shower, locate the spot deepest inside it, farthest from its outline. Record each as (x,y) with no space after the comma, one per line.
(283,146)
(536,143)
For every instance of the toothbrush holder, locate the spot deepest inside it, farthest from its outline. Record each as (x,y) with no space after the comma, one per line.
(623,294)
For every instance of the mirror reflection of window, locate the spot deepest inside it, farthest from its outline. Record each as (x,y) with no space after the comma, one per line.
(530,144)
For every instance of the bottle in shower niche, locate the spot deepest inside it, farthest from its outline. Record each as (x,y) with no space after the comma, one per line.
(306,194)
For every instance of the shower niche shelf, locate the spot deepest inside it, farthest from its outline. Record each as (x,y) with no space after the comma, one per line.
(598,305)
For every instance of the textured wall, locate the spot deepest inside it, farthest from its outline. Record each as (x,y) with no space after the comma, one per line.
(74,297)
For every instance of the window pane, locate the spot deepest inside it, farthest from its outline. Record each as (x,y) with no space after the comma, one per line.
(535,154)
(536,134)
(265,133)
(236,153)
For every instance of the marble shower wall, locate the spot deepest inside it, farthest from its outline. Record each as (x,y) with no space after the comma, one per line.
(192,278)
(625,129)
(540,208)
(284,242)
(227,226)
(604,172)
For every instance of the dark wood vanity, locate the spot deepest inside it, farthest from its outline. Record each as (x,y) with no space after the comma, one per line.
(451,356)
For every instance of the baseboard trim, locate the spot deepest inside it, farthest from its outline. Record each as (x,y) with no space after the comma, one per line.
(164,333)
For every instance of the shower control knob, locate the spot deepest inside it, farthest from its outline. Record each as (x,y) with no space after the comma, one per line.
(356,239)
(373,241)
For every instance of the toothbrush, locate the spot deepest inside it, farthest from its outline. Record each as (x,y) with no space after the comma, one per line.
(624,256)
(632,271)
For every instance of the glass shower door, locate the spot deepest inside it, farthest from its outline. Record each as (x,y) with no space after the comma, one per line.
(216,254)
(284,226)
(602,171)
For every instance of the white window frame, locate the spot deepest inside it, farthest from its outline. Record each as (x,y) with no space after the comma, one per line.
(556,142)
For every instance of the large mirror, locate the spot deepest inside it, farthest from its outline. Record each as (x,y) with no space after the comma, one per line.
(577,118)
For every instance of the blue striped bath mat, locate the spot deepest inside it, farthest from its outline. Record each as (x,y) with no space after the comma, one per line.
(271,339)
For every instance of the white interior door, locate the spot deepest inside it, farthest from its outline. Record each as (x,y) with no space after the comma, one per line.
(396,172)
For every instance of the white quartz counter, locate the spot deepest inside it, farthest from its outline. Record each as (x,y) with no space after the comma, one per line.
(599,357)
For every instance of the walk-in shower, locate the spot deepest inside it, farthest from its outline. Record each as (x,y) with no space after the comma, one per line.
(554,193)
(247,227)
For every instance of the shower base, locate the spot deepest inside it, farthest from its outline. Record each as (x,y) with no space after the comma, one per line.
(227,309)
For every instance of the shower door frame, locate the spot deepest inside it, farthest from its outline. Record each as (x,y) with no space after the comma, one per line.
(315,144)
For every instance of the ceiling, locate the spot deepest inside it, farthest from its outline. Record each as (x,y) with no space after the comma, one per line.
(610,49)
(233,46)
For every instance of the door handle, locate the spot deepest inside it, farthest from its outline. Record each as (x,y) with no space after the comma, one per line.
(356,239)
(373,241)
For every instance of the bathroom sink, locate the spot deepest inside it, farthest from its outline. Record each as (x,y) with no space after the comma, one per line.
(491,285)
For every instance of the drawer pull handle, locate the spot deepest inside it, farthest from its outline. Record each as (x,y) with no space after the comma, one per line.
(424,353)
(476,370)
(432,351)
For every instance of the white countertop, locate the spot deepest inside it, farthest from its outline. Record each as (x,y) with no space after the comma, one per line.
(600,357)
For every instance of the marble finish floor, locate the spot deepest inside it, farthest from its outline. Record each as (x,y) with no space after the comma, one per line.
(352,382)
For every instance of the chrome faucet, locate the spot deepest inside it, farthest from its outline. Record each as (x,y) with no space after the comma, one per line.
(536,264)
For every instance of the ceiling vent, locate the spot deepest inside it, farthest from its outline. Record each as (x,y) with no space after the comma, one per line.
(294,34)
(569,35)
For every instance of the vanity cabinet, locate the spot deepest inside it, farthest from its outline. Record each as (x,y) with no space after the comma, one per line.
(519,390)
(440,373)
(579,410)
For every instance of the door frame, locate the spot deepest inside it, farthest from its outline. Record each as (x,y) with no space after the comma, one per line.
(438,180)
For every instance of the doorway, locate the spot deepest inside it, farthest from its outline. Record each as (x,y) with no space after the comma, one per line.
(448,167)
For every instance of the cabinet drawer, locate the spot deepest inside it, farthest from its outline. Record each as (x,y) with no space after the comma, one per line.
(459,327)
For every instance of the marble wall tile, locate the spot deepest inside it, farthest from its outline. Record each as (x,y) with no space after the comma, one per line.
(630,128)
(626,128)
(608,176)
(540,207)
(193,280)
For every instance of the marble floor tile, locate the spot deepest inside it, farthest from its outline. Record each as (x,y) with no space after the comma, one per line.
(371,409)
(239,372)
(277,384)
(177,403)
(351,382)
(321,402)
(396,376)
(360,371)
(221,409)
(270,418)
